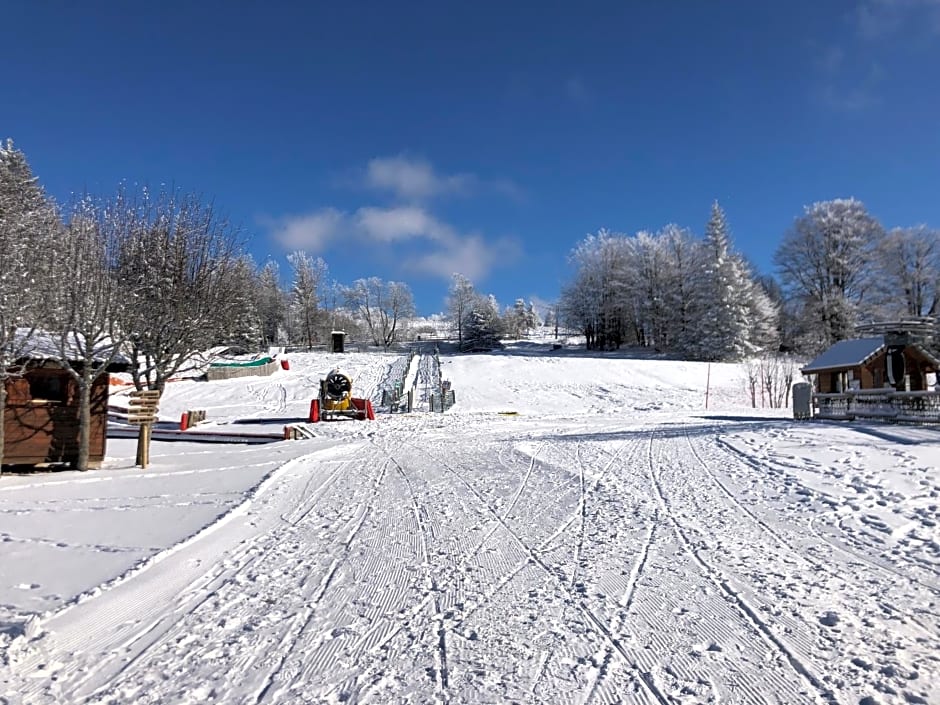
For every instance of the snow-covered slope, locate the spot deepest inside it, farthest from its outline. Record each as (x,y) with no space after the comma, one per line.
(576,529)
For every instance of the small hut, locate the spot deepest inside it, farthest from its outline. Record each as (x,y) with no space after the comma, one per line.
(41,414)
(337,341)
(890,361)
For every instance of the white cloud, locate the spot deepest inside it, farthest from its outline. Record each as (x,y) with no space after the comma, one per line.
(423,242)
(471,255)
(312,232)
(414,179)
(401,223)
(443,249)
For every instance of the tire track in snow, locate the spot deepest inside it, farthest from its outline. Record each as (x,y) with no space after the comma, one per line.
(868,616)
(602,629)
(522,484)
(303,621)
(432,585)
(135,609)
(822,692)
(221,591)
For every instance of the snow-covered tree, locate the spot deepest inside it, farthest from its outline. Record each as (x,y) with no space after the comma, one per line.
(85,304)
(484,326)
(906,278)
(272,302)
(28,226)
(386,307)
(309,277)
(824,266)
(723,310)
(460,297)
(594,302)
(520,318)
(647,289)
(178,268)
(680,258)
(241,326)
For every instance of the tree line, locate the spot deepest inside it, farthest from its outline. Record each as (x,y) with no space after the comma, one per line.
(159,276)
(155,277)
(700,299)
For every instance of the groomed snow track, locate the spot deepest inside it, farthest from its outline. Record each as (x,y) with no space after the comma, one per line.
(474,558)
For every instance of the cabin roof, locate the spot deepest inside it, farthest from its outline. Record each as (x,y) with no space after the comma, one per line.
(845,354)
(38,345)
(855,353)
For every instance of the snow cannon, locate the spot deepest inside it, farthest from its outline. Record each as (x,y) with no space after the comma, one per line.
(337,402)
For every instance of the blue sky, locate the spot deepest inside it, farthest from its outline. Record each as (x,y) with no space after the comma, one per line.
(411,140)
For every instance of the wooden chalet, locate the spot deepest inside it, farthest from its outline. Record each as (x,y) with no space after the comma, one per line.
(892,376)
(41,414)
(873,363)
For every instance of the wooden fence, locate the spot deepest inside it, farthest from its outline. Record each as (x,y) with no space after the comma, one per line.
(882,404)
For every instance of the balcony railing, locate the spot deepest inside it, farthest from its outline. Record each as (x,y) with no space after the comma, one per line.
(884,404)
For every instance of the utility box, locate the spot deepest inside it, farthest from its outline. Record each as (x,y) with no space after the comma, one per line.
(336,341)
(802,400)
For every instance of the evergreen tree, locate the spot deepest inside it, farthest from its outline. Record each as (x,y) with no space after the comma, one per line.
(721,325)
(483,327)
(28,226)
(520,319)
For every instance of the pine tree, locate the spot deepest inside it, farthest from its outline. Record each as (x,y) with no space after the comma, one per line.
(483,327)
(721,324)
(28,226)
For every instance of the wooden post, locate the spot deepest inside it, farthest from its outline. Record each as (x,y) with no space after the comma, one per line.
(708,383)
(143,445)
(143,411)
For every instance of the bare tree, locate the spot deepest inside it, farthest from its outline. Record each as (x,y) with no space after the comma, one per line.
(823,262)
(460,298)
(178,268)
(309,275)
(85,302)
(382,305)
(908,268)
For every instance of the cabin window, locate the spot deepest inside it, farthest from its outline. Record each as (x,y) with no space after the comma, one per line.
(48,388)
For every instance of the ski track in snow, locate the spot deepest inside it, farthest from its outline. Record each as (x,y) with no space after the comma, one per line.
(464,558)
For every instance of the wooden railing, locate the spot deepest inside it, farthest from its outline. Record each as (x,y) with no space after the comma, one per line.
(884,404)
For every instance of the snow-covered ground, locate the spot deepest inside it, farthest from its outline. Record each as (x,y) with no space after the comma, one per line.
(575,530)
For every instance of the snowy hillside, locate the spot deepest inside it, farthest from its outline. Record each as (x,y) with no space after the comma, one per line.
(574,530)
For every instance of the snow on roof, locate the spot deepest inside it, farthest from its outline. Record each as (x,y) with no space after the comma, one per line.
(846,353)
(43,345)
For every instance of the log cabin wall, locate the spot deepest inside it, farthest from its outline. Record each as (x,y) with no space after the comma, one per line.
(41,418)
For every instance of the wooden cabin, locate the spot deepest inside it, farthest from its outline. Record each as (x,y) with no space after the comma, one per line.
(41,414)
(884,362)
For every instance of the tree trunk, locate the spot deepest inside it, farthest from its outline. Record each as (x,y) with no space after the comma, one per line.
(3,425)
(84,419)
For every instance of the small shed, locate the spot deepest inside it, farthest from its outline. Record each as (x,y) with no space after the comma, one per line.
(337,341)
(873,363)
(41,414)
